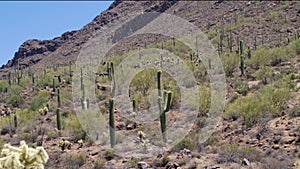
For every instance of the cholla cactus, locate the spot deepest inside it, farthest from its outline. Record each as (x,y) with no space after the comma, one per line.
(64,144)
(44,110)
(142,135)
(80,142)
(23,157)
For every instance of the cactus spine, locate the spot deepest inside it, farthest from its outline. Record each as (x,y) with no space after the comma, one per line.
(162,110)
(112,123)
(58,119)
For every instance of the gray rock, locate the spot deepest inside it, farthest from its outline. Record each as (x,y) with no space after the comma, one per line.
(142,165)
(245,162)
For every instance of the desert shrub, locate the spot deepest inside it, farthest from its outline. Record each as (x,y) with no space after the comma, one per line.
(161,162)
(230,63)
(241,87)
(260,57)
(16,97)
(295,112)
(73,126)
(74,161)
(275,163)
(205,99)
(45,81)
(3,86)
(109,154)
(274,99)
(184,143)
(264,74)
(99,164)
(132,163)
(232,153)
(249,108)
(277,55)
(293,48)
(268,101)
(39,100)
(26,115)
(29,137)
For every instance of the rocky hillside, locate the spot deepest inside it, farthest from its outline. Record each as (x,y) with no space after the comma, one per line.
(259,128)
(247,20)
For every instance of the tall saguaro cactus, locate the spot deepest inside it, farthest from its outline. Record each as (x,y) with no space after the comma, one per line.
(15,121)
(112,123)
(230,41)
(242,62)
(166,108)
(58,119)
(33,81)
(58,99)
(9,78)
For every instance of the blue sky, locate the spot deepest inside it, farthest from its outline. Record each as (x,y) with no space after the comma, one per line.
(20,21)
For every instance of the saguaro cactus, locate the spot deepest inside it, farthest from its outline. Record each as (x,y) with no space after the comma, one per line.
(53,85)
(242,62)
(15,121)
(84,102)
(58,119)
(133,105)
(58,99)
(255,43)
(19,76)
(33,81)
(166,108)
(230,41)
(9,78)
(59,79)
(112,123)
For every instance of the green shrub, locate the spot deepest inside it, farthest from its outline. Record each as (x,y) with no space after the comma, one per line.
(264,74)
(73,125)
(99,164)
(260,57)
(233,153)
(16,98)
(25,115)
(230,63)
(274,99)
(268,101)
(184,143)
(39,100)
(74,161)
(241,87)
(3,86)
